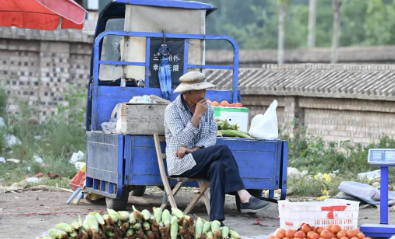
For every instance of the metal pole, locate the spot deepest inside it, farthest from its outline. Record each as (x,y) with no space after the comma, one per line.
(384,196)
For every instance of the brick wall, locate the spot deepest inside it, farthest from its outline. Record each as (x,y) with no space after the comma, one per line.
(335,120)
(39,72)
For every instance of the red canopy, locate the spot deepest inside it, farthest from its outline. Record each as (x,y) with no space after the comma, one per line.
(41,14)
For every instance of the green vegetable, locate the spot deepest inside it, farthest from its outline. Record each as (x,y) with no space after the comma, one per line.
(177,212)
(234,133)
(225,232)
(158,214)
(198,228)
(174,228)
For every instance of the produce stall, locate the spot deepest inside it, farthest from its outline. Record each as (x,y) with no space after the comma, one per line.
(120,162)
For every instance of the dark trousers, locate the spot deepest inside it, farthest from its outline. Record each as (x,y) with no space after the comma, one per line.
(217,165)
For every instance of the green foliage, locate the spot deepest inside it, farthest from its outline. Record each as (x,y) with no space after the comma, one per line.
(254,23)
(54,141)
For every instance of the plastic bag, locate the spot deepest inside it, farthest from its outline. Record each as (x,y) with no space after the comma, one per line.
(265,126)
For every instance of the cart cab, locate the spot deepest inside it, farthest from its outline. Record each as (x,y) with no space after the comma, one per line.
(124,64)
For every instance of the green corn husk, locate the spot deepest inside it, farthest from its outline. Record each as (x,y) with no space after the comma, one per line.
(206,227)
(146,214)
(64,227)
(98,217)
(109,233)
(234,234)
(79,220)
(161,224)
(130,232)
(139,216)
(177,212)
(215,228)
(75,225)
(234,133)
(124,216)
(57,233)
(85,225)
(219,134)
(132,218)
(92,223)
(210,235)
(157,214)
(225,125)
(225,232)
(113,215)
(174,228)
(146,226)
(198,228)
(137,226)
(166,217)
(73,234)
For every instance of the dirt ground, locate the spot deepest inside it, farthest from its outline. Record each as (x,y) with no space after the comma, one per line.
(28,214)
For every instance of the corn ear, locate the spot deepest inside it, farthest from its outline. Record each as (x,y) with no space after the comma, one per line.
(206,227)
(113,215)
(166,217)
(234,234)
(123,215)
(225,125)
(80,220)
(92,223)
(64,227)
(146,226)
(138,214)
(73,234)
(130,232)
(109,233)
(177,212)
(75,226)
(174,228)
(215,228)
(210,235)
(225,232)
(158,214)
(57,233)
(146,214)
(137,226)
(98,217)
(198,228)
(132,218)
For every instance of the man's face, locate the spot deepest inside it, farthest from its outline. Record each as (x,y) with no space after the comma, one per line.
(195,96)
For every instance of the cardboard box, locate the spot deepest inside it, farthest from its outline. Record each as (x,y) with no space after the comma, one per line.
(234,115)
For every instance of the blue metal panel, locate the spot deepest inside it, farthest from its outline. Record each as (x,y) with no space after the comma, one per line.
(96,62)
(186,50)
(378,230)
(102,157)
(283,168)
(127,155)
(147,57)
(120,165)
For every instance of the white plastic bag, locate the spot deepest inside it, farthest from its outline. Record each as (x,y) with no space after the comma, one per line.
(265,126)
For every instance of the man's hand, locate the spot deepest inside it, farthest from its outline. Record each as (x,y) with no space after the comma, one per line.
(201,107)
(182,151)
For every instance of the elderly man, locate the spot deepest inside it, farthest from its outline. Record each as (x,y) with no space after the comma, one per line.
(191,134)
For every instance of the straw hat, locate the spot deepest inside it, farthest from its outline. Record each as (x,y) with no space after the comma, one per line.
(193,80)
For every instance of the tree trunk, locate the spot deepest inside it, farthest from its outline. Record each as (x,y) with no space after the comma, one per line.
(312,21)
(336,30)
(281,33)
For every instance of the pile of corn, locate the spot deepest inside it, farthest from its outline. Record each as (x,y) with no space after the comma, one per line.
(141,225)
(228,130)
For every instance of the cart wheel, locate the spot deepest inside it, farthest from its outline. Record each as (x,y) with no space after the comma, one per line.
(118,204)
(138,191)
(254,192)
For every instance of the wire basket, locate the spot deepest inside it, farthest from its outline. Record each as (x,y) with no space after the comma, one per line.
(331,211)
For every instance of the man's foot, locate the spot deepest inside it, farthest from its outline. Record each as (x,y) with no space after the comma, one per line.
(253,205)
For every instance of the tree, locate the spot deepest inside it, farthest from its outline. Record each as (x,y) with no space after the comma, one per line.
(283,5)
(336,30)
(312,20)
